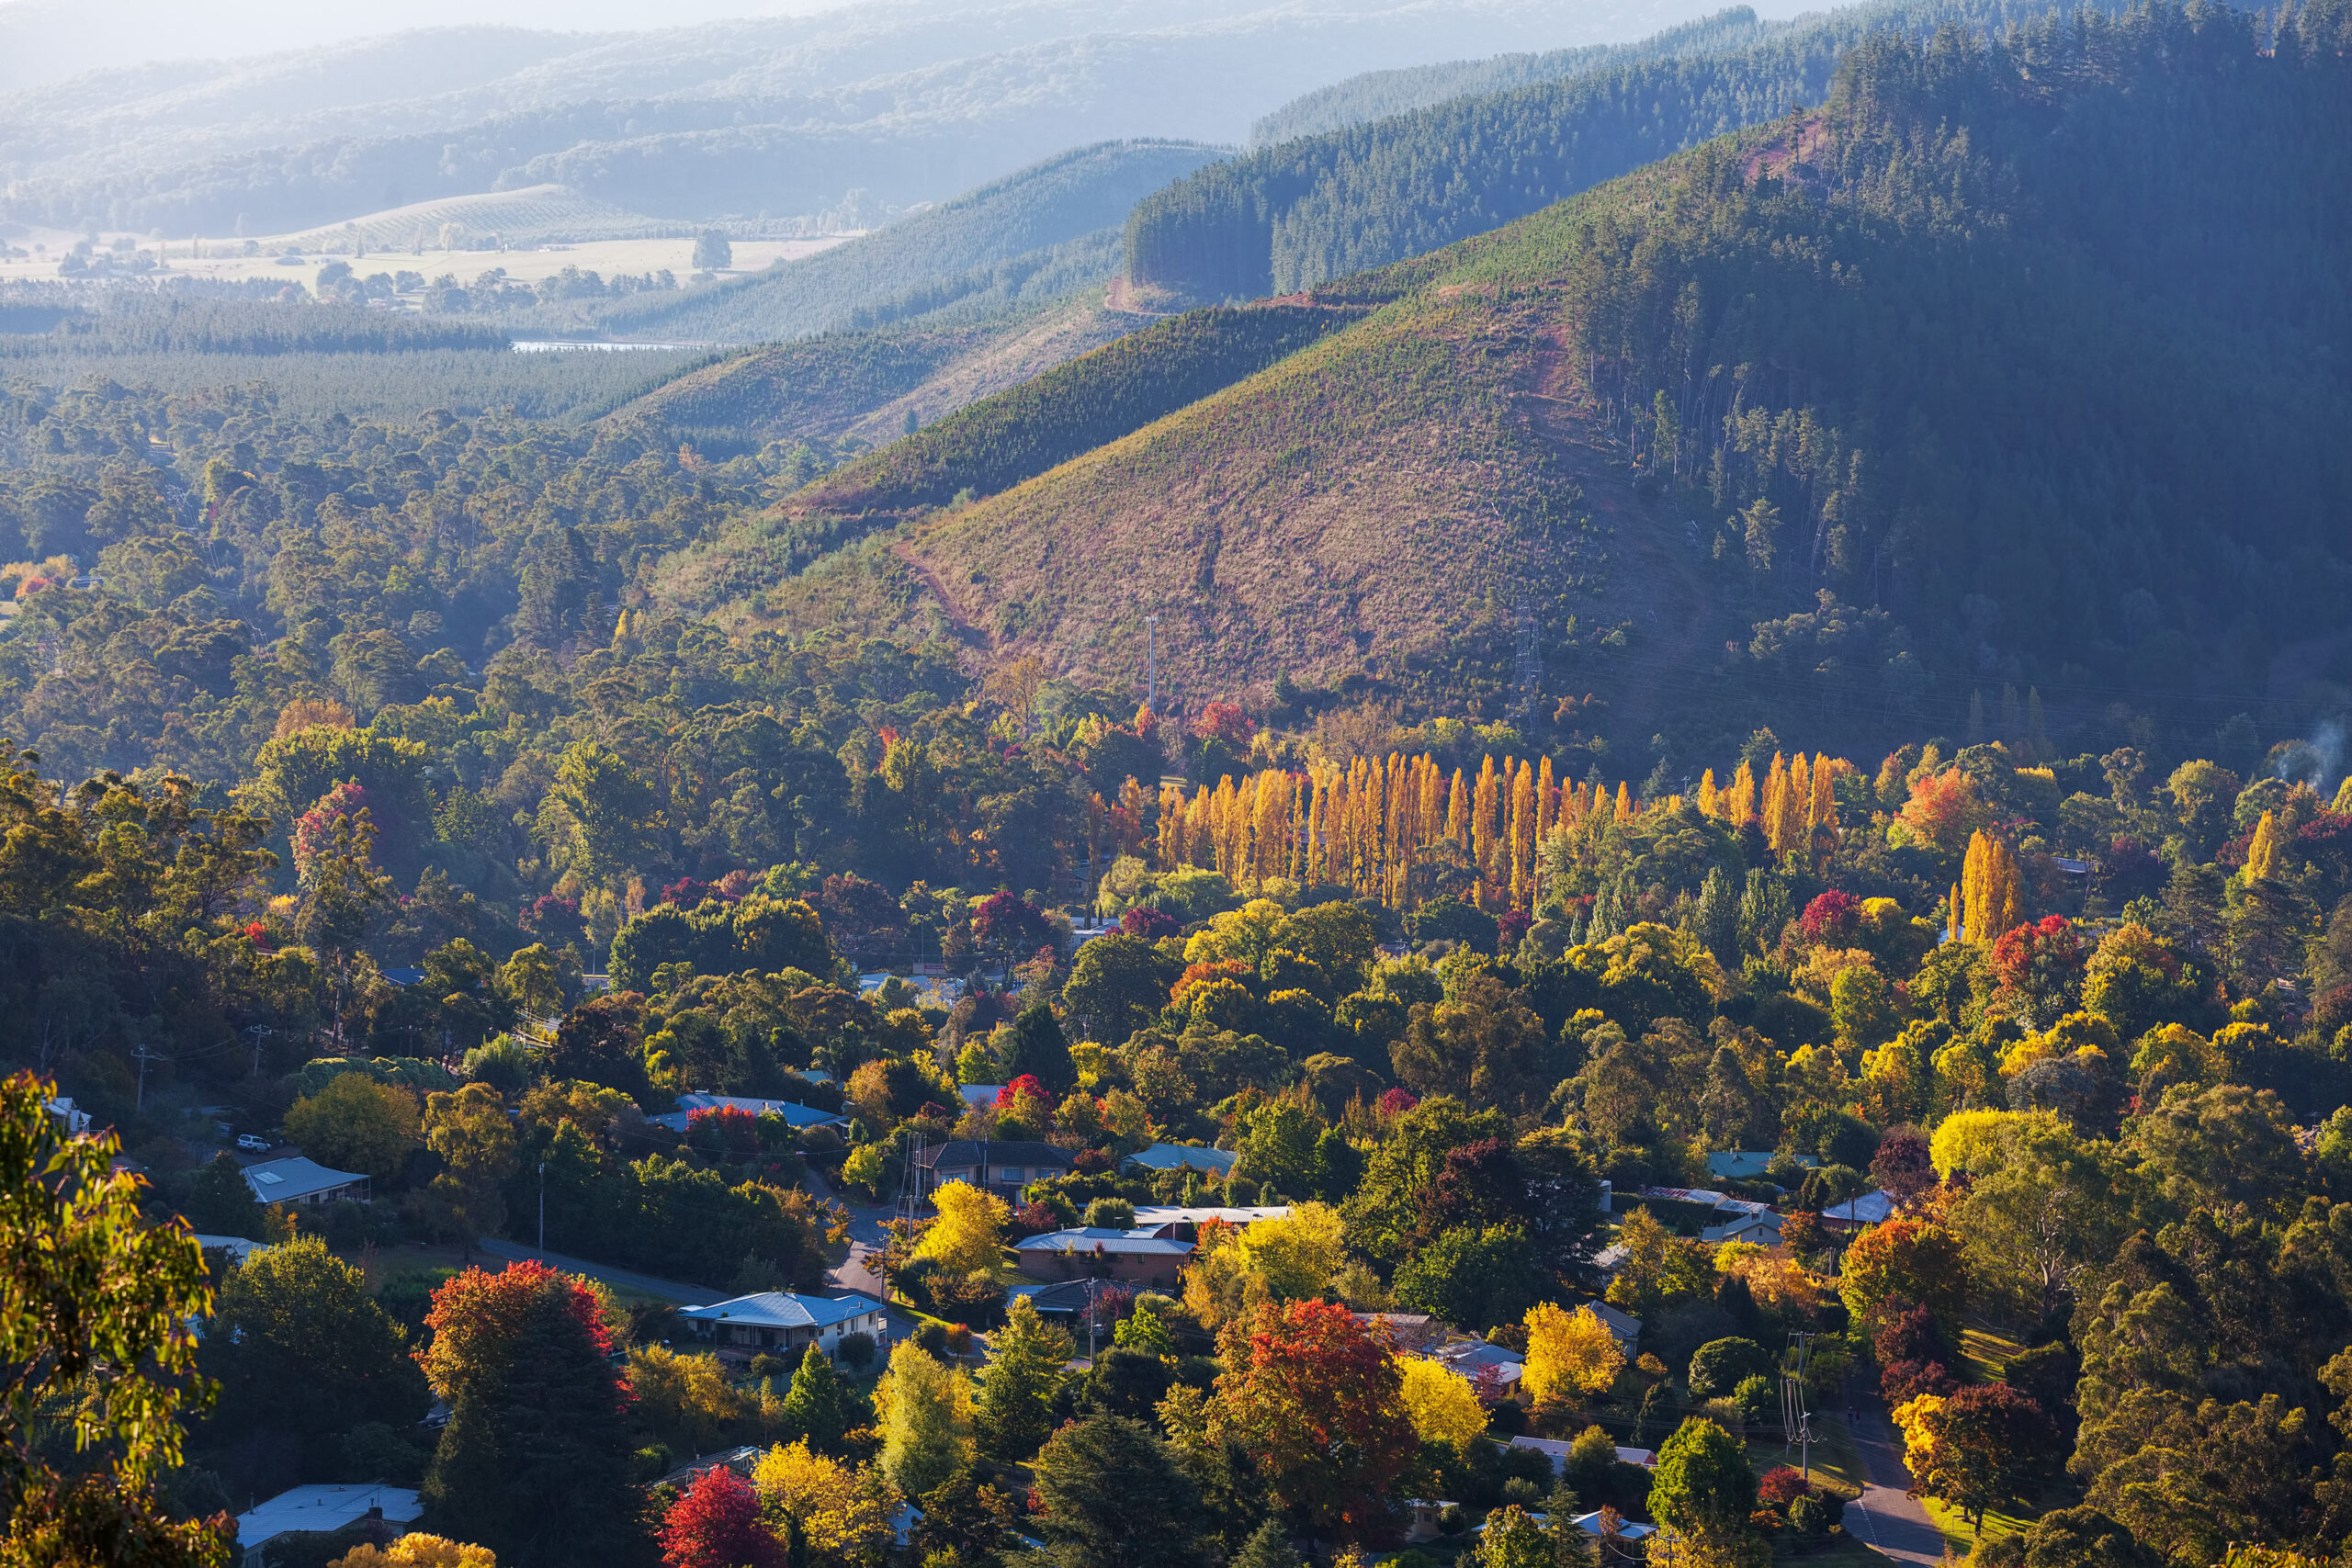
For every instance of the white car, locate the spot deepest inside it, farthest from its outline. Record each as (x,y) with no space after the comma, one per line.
(253,1143)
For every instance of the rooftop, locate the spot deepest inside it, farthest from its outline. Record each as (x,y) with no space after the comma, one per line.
(324,1509)
(795,1114)
(287,1180)
(783,1309)
(1869,1209)
(1137,1243)
(1179,1156)
(1151,1216)
(965,1151)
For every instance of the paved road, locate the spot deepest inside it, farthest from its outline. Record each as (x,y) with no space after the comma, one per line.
(622,1278)
(1887,1520)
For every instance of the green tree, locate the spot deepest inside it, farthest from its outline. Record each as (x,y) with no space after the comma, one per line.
(1720,1365)
(534,1463)
(356,1124)
(1039,1049)
(2082,1536)
(610,807)
(1015,1409)
(220,1201)
(1279,1149)
(926,1420)
(1118,985)
(1474,1276)
(469,1131)
(1269,1548)
(812,1405)
(97,1310)
(300,1346)
(1114,1497)
(1704,1492)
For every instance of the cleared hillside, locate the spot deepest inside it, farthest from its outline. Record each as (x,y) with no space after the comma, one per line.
(861,385)
(2019,293)
(1027,237)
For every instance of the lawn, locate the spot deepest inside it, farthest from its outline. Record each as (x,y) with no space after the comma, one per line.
(1987,1352)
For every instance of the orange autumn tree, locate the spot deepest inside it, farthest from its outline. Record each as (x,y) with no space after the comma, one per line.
(1314,1397)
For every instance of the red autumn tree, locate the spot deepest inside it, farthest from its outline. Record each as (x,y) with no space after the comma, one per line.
(1225,722)
(1312,1395)
(2043,964)
(716,1524)
(1831,919)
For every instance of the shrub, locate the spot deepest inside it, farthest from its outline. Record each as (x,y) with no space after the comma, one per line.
(858,1350)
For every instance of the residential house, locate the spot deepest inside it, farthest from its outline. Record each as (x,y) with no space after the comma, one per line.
(1412,1332)
(322,1510)
(1065,1302)
(1749,1165)
(783,1324)
(1218,1162)
(1497,1365)
(238,1248)
(1624,1326)
(796,1116)
(1135,1257)
(1003,1168)
(979,1096)
(1858,1213)
(299,1180)
(1556,1450)
(742,1462)
(1171,1219)
(1762,1228)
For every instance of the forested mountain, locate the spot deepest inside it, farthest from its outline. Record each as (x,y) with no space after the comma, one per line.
(1380,95)
(1290,216)
(2014,286)
(772,117)
(1027,237)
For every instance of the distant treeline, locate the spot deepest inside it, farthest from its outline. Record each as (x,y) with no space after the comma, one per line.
(1295,215)
(1118,389)
(148,325)
(1379,94)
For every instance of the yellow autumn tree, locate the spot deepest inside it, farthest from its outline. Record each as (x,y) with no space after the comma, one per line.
(1293,1258)
(418,1551)
(969,1233)
(840,1515)
(2262,854)
(1440,1402)
(1568,1352)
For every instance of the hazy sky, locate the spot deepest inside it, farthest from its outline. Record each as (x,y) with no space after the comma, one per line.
(47,40)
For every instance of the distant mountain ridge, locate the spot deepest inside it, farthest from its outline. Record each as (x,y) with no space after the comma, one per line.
(1290,216)
(1032,236)
(906,100)
(2017,290)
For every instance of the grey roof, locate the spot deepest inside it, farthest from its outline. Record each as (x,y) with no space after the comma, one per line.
(1062,1295)
(783,1309)
(324,1508)
(965,1151)
(287,1180)
(1124,1243)
(1151,1216)
(794,1115)
(1867,1209)
(1179,1156)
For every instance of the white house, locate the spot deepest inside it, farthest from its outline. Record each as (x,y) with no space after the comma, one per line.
(322,1508)
(299,1180)
(1763,1229)
(781,1322)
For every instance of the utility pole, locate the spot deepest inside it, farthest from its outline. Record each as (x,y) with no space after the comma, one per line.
(144,1055)
(543,1205)
(1797,1421)
(257,1031)
(1151,662)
